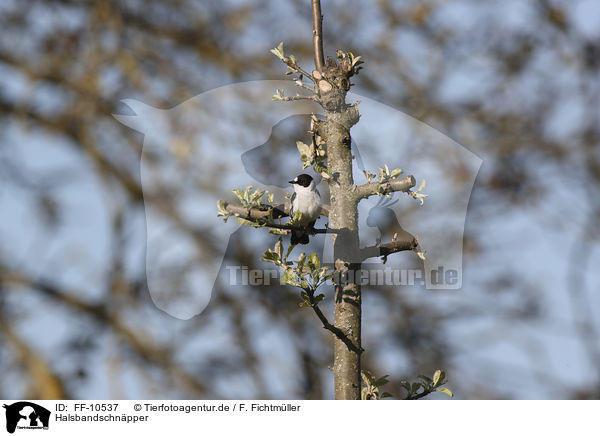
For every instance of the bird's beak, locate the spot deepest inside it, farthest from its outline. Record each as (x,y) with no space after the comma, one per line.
(293,182)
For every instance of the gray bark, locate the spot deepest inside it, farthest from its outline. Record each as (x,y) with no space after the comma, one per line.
(343,216)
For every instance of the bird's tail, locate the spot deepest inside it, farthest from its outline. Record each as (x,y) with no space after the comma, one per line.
(299,237)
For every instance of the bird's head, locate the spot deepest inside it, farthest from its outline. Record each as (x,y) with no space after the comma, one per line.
(303,180)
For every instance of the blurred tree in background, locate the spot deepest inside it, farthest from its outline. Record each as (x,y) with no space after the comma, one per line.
(516,82)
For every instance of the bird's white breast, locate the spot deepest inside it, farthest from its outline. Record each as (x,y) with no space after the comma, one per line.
(308,202)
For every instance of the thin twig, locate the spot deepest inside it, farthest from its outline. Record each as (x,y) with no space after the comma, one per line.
(294,67)
(419,395)
(318,34)
(264,212)
(259,217)
(375,188)
(302,85)
(389,248)
(328,326)
(290,227)
(299,97)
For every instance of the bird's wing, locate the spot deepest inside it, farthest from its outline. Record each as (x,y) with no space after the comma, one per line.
(292,203)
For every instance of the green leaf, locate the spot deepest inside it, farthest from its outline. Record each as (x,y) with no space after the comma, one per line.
(289,277)
(323,272)
(381,381)
(296,217)
(245,222)
(370,176)
(405,385)
(248,198)
(368,379)
(271,256)
(255,197)
(426,379)
(221,211)
(305,151)
(278,96)
(437,376)
(356,61)
(314,262)
(446,391)
(277,232)
(279,249)
(287,253)
(418,196)
(239,194)
(395,173)
(278,51)
(303,282)
(301,260)
(320,168)
(319,298)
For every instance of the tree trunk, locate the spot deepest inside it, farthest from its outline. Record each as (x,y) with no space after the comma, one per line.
(343,216)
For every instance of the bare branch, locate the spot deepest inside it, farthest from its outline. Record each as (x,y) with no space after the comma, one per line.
(302,85)
(292,65)
(328,326)
(318,34)
(375,188)
(290,227)
(299,97)
(254,213)
(419,395)
(388,248)
(261,217)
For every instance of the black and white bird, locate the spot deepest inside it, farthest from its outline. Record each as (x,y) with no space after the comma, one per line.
(307,200)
